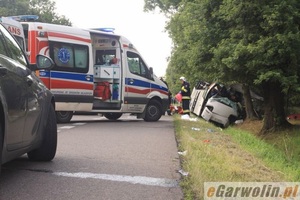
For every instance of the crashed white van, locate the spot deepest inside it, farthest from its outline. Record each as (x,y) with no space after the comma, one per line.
(211,102)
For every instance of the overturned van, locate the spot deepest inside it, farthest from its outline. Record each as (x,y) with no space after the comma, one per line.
(215,103)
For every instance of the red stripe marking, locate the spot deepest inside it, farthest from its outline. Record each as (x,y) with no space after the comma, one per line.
(144,91)
(160,91)
(61,35)
(45,81)
(60,84)
(32,46)
(134,90)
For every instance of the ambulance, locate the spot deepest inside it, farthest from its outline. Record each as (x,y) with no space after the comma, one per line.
(15,28)
(96,71)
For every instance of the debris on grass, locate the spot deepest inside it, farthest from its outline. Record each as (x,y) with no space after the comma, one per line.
(183,153)
(196,129)
(183,173)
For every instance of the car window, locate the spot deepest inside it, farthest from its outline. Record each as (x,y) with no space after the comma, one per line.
(10,47)
(2,45)
(136,65)
(70,57)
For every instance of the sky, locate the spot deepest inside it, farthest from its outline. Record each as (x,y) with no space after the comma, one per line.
(145,30)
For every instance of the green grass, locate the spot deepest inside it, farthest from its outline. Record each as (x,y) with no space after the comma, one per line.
(233,155)
(277,151)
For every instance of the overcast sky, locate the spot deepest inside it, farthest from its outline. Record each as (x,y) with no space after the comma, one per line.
(144,30)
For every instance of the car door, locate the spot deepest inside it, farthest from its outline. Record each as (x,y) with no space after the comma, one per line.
(14,88)
(138,83)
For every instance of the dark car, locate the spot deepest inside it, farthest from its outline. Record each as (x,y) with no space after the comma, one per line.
(27,114)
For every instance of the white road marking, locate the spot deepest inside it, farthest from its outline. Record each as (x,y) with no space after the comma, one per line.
(67,127)
(78,124)
(143,180)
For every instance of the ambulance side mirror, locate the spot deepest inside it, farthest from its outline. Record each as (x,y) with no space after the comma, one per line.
(151,73)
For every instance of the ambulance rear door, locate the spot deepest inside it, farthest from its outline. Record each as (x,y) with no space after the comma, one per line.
(71,80)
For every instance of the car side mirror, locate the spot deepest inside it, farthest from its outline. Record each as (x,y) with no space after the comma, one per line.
(42,62)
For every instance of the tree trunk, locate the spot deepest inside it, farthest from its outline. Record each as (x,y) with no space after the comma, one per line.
(274,115)
(250,113)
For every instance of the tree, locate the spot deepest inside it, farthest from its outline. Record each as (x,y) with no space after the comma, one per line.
(254,42)
(45,9)
(166,6)
(275,62)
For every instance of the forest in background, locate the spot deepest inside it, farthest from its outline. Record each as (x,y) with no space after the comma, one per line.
(254,43)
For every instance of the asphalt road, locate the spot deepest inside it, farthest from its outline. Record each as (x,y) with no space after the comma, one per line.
(101,159)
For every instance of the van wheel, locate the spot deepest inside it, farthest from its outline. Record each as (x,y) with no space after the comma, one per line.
(47,149)
(231,119)
(64,116)
(113,116)
(153,111)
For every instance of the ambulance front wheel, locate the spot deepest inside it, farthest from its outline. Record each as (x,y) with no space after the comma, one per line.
(153,111)
(64,116)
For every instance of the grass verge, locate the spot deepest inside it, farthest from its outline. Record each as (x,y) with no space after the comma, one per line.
(233,155)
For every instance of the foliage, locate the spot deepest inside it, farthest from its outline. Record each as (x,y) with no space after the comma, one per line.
(45,9)
(253,42)
(164,5)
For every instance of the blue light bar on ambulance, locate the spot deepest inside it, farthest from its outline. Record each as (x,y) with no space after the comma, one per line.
(25,18)
(109,30)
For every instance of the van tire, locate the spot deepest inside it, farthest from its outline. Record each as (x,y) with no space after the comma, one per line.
(231,120)
(153,111)
(113,116)
(64,116)
(47,148)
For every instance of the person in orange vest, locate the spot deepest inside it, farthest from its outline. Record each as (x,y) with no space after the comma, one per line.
(186,96)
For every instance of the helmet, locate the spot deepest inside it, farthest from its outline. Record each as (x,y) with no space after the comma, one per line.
(182,78)
(162,78)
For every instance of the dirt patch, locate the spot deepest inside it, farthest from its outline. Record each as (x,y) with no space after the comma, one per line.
(252,126)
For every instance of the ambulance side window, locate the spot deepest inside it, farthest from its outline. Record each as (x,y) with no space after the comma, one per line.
(69,57)
(105,57)
(136,65)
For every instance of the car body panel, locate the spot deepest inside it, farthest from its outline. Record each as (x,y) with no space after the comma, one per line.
(14,90)
(221,109)
(209,102)
(24,100)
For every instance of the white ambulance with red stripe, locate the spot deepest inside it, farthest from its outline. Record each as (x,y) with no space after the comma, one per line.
(15,28)
(95,71)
